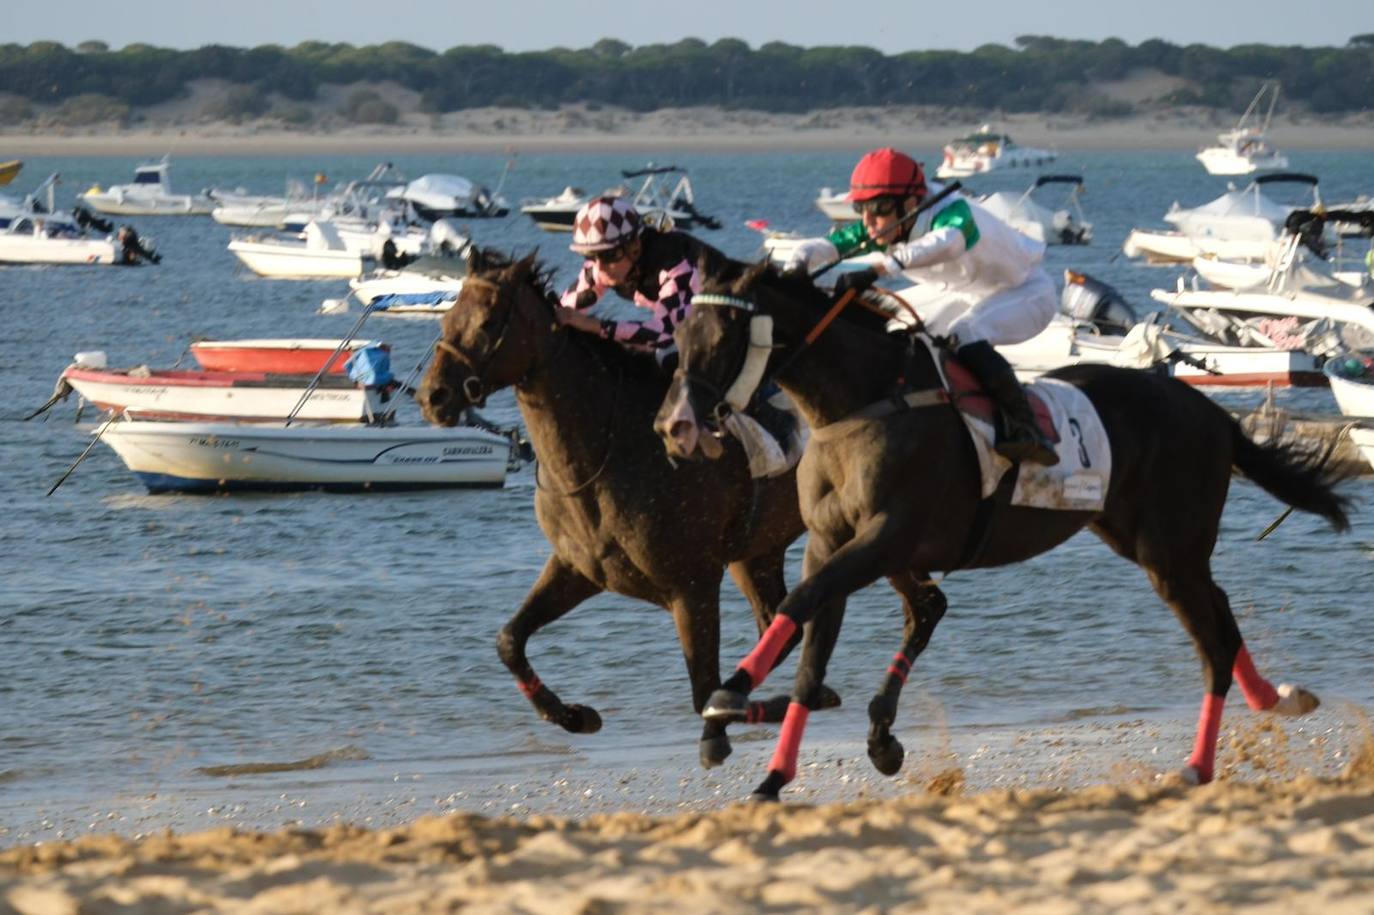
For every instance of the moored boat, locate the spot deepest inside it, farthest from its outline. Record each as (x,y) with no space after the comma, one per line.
(220,457)
(319,254)
(1352,383)
(279,356)
(173,394)
(1246,148)
(986,151)
(150,194)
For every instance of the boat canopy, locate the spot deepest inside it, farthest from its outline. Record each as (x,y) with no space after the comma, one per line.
(1245,202)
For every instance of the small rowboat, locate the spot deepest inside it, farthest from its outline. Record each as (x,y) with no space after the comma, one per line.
(261,396)
(284,356)
(220,457)
(8,171)
(1352,383)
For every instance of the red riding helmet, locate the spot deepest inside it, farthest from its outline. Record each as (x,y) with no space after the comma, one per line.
(887,173)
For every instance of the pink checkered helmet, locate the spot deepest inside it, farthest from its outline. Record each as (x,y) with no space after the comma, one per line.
(605,223)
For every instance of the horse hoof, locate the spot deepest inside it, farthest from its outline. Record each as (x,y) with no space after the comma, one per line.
(726,705)
(888,757)
(714,751)
(827,699)
(583,719)
(1294,701)
(1191,776)
(764,797)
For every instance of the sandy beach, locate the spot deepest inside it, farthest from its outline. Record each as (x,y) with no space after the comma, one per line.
(581,129)
(1301,845)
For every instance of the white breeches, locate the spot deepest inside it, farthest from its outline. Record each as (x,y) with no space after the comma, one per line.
(1009,315)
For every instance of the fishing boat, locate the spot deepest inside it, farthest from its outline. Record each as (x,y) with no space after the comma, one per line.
(150,194)
(226,457)
(1352,383)
(176,394)
(317,253)
(1246,148)
(986,151)
(1064,225)
(1240,225)
(279,356)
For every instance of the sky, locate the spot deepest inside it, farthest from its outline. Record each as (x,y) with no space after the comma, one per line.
(890,26)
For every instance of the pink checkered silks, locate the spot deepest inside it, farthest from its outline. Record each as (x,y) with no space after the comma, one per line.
(603,224)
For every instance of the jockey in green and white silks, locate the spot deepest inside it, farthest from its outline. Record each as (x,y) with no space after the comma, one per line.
(987,267)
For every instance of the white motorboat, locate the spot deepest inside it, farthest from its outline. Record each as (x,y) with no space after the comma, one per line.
(555,214)
(219,457)
(440,196)
(1063,226)
(405,282)
(1363,437)
(239,208)
(1246,148)
(318,253)
(37,240)
(1240,225)
(661,202)
(836,205)
(150,194)
(248,396)
(986,151)
(1352,383)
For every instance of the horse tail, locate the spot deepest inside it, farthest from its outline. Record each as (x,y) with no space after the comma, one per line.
(1293,474)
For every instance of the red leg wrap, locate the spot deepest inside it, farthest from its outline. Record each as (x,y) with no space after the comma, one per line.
(784,758)
(1259,692)
(760,661)
(1204,756)
(530,687)
(900,667)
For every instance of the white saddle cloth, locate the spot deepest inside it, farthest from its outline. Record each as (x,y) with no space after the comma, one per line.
(767,456)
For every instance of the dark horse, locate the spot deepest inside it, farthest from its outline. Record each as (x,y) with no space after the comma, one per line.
(893,491)
(619,516)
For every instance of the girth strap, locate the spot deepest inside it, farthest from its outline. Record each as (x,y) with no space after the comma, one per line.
(888,406)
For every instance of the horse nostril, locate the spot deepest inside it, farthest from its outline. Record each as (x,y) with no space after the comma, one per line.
(436,397)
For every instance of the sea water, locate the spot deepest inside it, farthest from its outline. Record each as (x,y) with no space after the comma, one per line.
(260,660)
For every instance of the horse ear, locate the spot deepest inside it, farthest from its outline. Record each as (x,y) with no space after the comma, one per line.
(477,260)
(525,267)
(750,276)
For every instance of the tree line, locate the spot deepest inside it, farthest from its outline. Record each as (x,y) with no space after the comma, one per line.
(1039,73)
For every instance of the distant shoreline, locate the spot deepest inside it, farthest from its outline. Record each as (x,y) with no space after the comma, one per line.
(496,131)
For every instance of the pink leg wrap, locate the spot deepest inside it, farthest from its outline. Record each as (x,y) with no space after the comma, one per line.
(784,759)
(1204,758)
(1259,692)
(900,667)
(760,660)
(530,687)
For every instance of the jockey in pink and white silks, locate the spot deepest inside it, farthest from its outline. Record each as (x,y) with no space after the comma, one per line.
(656,270)
(986,265)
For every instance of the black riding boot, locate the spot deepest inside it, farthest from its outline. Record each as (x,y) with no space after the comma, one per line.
(1018,438)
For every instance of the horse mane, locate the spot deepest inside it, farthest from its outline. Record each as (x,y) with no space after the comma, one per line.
(502,268)
(797,286)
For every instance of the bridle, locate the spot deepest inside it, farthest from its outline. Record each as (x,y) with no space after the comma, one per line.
(474,383)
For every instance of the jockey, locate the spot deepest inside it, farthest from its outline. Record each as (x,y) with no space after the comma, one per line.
(985,264)
(655,269)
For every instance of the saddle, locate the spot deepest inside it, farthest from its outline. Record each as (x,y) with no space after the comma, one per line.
(968,396)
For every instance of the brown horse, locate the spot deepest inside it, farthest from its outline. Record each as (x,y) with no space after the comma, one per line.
(891,488)
(619,516)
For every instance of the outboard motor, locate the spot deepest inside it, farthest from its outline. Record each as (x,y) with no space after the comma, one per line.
(133,251)
(1093,301)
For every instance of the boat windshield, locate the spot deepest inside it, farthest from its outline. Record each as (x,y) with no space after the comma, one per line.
(148,176)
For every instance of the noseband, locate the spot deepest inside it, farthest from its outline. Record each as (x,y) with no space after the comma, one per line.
(474,384)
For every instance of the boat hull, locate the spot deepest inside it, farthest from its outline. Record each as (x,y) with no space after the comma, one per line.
(1355,397)
(1219,160)
(551,219)
(285,357)
(131,205)
(29,249)
(213,395)
(220,457)
(297,262)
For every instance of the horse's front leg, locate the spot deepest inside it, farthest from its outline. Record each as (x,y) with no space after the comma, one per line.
(559,589)
(697,618)
(923,605)
(827,578)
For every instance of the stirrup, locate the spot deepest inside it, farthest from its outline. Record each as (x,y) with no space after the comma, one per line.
(1028,451)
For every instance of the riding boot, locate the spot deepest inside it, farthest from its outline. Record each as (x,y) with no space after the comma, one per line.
(1019,437)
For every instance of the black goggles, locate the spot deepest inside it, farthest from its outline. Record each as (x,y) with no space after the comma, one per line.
(878,206)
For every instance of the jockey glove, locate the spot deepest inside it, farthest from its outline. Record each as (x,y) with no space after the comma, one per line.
(857,280)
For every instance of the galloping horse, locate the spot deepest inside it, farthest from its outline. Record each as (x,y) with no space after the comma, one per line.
(890,488)
(618,515)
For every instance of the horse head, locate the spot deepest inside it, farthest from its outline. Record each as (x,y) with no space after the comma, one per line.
(724,349)
(491,338)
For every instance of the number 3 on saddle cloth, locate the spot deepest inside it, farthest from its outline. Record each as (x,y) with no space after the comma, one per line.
(1078,482)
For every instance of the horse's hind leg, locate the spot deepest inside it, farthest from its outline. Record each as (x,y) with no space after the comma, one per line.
(1260,694)
(558,590)
(923,605)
